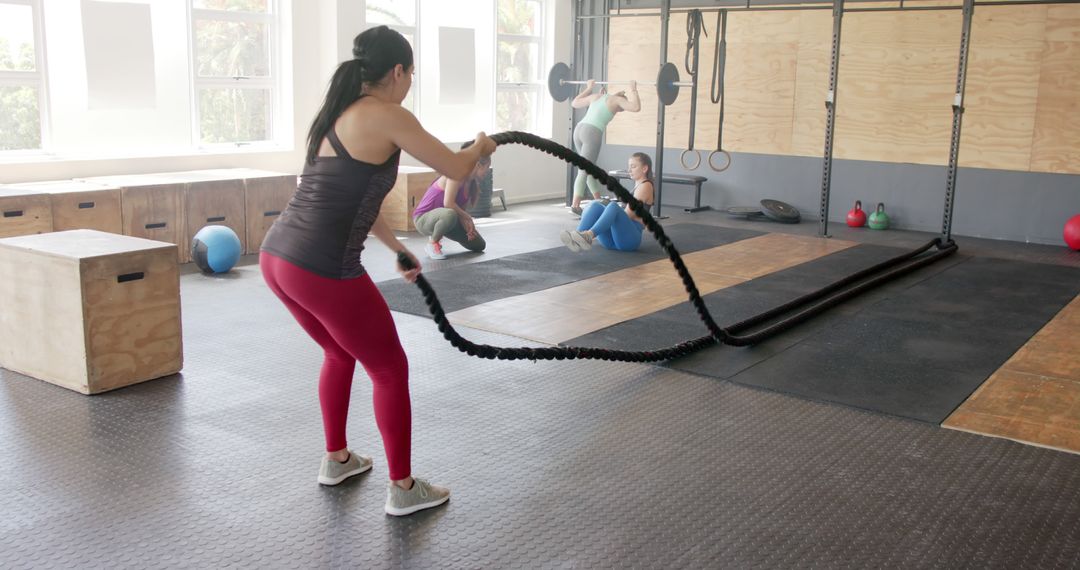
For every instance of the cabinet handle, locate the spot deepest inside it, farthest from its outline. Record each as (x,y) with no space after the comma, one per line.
(13,214)
(85,205)
(412,201)
(156,226)
(216,219)
(270,213)
(129,277)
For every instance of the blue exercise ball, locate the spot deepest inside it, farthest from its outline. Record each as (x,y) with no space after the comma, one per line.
(215,249)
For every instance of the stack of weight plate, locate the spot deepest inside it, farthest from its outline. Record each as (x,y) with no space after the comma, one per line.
(774,210)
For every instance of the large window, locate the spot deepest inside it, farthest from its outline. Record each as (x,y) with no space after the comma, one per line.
(21,85)
(520,45)
(400,15)
(103,79)
(234,81)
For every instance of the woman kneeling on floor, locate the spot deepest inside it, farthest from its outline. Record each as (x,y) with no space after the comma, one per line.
(615,226)
(442,211)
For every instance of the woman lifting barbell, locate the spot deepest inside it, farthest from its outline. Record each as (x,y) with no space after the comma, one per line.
(589,132)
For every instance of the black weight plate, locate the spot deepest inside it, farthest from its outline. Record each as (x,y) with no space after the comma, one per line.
(560,91)
(749,212)
(666,79)
(780,211)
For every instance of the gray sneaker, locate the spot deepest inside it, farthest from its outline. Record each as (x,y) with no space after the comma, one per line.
(575,241)
(423,495)
(576,211)
(331,472)
(583,241)
(568,241)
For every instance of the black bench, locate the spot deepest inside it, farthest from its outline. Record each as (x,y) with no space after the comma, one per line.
(695,181)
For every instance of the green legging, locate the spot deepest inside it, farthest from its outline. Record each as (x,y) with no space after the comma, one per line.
(443,222)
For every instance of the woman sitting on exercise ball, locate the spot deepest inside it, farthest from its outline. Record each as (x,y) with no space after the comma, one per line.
(615,226)
(589,132)
(442,211)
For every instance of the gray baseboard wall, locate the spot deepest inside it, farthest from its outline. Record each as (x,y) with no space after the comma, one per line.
(1027,207)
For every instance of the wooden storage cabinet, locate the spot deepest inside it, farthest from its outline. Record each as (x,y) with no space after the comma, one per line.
(81,205)
(24,212)
(89,310)
(412,183)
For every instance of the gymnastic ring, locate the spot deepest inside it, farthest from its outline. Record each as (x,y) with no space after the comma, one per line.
(682,159)
(726,165)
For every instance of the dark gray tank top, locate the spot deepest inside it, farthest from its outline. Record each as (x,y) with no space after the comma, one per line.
(328,218)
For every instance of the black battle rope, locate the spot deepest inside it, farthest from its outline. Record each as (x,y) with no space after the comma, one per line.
(826,297)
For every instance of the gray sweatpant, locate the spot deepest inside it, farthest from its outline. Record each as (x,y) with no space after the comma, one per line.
(443,222)
(587,140)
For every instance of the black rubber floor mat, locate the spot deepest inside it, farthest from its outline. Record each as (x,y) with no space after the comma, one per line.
(916,348)
(467,285)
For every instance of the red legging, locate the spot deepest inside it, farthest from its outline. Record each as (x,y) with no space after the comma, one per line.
(350,321)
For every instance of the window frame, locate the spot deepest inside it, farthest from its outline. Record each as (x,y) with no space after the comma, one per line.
(37,79)
(414,32)
(536,84)
(271,83)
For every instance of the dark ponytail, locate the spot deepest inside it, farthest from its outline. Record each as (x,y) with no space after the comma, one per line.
(376,52)
(474,185)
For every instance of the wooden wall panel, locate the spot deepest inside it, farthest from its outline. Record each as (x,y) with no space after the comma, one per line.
(1056,145)
(761,86)
(897,78)
(1002,87)
(811,83)
(762,56)
(896,87)
(634,53)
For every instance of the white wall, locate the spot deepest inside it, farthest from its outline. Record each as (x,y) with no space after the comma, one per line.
(322,34)
(526,174)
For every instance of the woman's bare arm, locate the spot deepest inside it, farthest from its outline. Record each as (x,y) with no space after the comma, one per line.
(411,137)
(586,97)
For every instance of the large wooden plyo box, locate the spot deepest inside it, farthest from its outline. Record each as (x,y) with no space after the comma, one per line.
(89,310)
(398,206)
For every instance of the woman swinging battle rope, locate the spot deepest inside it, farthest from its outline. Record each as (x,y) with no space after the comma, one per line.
(810,304)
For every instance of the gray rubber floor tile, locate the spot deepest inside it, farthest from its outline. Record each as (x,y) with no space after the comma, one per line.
(552,465)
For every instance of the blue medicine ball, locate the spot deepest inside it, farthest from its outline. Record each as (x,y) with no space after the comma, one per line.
(215,249)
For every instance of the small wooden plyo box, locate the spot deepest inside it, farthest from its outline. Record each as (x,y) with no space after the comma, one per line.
(80,205)
(24,212)
(151,207)
(266,194)
(412,183)
(89,310)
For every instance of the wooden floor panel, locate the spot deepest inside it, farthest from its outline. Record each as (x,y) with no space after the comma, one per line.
(1035,396)
(561,313)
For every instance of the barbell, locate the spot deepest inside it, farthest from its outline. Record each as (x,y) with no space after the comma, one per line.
(561,82)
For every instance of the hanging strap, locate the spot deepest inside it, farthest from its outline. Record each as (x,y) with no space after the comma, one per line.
(716,93)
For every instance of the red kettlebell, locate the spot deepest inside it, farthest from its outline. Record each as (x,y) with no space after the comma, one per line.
(856,218)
